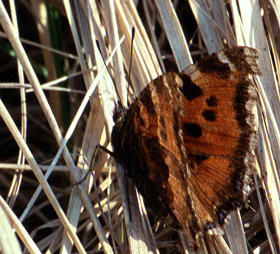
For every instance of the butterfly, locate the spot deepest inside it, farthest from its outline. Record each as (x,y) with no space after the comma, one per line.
(186,141)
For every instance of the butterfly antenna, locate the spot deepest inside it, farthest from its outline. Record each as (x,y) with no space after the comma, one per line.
(113,80)
(90,167)
(130,63)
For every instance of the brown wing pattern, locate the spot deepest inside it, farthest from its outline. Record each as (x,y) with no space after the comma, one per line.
(148,143)
(219,131)
(186,141)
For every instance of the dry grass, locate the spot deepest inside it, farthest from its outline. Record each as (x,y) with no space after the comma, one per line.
(105,214)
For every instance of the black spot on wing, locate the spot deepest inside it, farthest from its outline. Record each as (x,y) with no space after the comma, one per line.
(212,101)
(196,159)
(213,64)
(209,115)
(190,89)
(193,130)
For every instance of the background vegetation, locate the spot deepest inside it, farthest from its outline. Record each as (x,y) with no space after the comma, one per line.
(56,105)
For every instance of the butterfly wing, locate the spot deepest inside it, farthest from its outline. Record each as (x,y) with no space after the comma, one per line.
(148,143)
(219,132)
(187,140)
